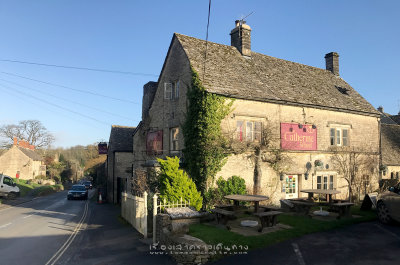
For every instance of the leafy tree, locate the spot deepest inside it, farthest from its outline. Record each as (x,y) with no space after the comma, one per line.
(176,184)
(31,131)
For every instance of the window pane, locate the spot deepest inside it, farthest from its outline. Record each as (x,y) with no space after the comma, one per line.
(167,90)
(332,136)
(249,131)
(345,137)
(239,130)
(318,182)
(257,131)
(177,83)
(331,182)
(338,138)
(325,182)
(174,144)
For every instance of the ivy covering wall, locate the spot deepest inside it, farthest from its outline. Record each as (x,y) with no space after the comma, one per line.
(204,151)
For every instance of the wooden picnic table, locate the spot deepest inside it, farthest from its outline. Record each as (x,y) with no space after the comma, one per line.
(327,193)
(247,198)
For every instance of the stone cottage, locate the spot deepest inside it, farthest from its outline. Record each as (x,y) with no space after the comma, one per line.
(119,162)
(22,160)
(314,118)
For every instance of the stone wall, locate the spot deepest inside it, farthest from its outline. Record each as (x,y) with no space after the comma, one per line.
(363,137)
(172,239)
(165,114)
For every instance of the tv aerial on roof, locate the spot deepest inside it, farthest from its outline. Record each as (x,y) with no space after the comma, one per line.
(241,21)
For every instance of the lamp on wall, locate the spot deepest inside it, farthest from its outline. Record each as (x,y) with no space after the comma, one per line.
(306,176)
(281,176)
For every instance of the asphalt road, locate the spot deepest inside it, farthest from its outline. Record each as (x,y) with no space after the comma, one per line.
(52,230)
(32,232)
(366,243)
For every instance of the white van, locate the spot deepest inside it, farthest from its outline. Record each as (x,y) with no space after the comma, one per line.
(8,188)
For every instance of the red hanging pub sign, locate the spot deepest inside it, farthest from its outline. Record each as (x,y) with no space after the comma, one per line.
(296,136)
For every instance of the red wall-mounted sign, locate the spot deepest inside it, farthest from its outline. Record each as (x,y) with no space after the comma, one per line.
(295,138)
(154,143)
(102,148)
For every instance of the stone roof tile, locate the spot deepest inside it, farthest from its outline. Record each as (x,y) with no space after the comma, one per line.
(265,78)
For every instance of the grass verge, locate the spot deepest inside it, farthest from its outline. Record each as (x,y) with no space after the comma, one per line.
(37,189)
(302,225)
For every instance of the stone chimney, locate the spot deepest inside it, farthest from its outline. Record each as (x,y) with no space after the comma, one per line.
(149,91)
(380,109)
(241,37)
(332,62)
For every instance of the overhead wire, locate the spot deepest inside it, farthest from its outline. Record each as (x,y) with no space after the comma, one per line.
(79,68)
(45,108)
(64,99)
(55,105)
(205,52)
(70,88)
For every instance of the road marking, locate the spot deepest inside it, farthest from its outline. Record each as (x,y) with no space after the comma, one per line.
(71,238)
(4,226)
(387,231)
(298,254)
(28,216)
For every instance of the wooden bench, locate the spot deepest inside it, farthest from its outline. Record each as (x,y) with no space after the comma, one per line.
(267,208)
(228,207)
(267,219)
(302,207)
(222,215)
(343,208)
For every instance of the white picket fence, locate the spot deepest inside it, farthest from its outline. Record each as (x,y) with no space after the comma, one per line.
(134,210)
(158,206)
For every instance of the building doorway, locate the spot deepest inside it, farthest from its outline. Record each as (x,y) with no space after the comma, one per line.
(291,186)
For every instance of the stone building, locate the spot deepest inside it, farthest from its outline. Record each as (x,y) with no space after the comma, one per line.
(313,116)
(390,145)
(119,162)
(22,159)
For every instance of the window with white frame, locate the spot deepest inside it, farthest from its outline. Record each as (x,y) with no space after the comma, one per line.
(249,131)
(174,144)
(171,90)
(326,182)
(339,136)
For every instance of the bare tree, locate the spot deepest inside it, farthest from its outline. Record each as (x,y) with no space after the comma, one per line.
(262,151)
(356,167)
(31,131)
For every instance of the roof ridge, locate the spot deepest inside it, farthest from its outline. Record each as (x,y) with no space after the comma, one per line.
(262,54)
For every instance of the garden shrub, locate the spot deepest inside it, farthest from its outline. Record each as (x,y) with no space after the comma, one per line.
(233,185)
(176,184)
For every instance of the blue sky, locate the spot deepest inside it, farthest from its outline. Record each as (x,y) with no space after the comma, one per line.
(134,36)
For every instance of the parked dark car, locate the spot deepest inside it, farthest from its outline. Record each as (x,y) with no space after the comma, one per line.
(388,205)
(77,192)
(88,184)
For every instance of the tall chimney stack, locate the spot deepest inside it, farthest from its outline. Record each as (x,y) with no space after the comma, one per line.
(332,62)
(241,37)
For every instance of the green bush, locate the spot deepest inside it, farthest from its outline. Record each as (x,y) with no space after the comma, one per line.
(176,184)
(233,185)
